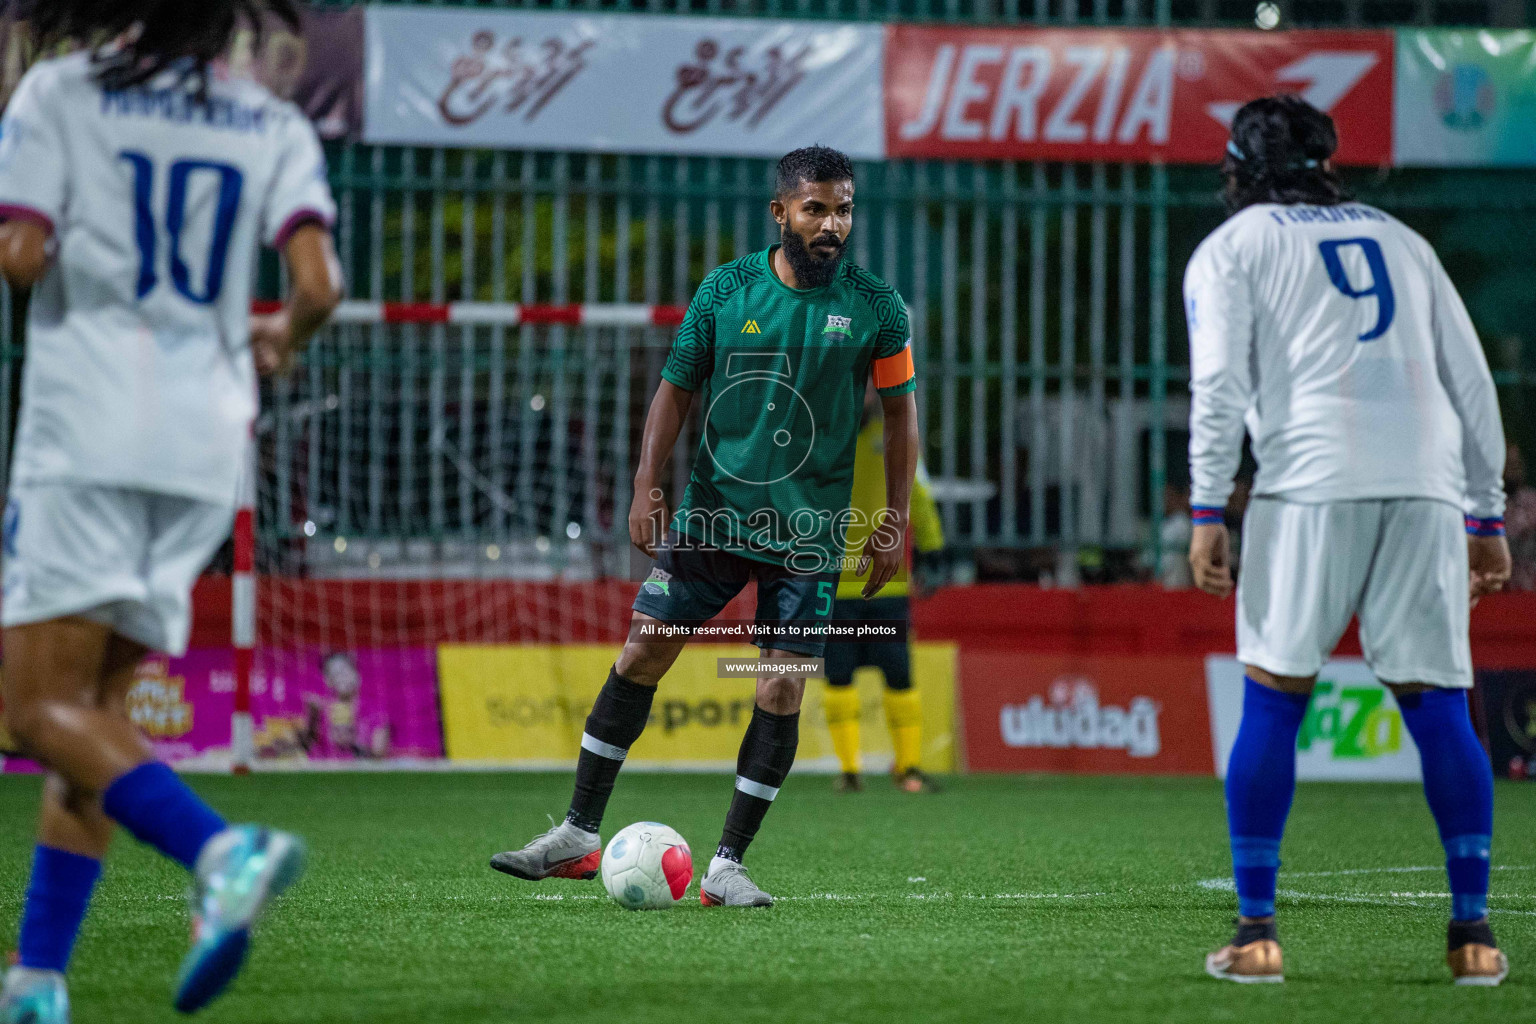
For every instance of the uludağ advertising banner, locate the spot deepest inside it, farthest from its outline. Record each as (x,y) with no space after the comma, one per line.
(621,83)
(1122,95)
(1089,713)
(1465,98)
(1353,730)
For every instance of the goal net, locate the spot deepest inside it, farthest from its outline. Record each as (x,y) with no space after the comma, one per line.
(433,475)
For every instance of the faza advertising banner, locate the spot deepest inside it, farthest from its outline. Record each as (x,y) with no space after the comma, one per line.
(1126,95)
(620,83)
(1352,732)
(1138,715)
(526,704)
(1465,98)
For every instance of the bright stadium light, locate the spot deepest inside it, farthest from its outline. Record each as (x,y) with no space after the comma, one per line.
(1267,15)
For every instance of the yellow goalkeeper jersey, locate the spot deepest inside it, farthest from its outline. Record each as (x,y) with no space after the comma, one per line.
(925,530)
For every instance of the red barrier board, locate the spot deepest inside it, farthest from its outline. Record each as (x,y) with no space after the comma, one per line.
(1125,95)
(1084,714)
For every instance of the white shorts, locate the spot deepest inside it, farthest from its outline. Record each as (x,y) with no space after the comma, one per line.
(1399,564)
(125,558)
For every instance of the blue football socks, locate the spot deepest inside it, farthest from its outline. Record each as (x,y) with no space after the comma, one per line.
(160,810)
(55,907)
(1261,782)
(1458,782)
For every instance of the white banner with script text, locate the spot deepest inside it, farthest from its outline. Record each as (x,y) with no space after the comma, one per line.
(621,83)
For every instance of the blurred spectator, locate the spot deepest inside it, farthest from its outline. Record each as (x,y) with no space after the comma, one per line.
(1173,570)
(1520,520)
(1237,507)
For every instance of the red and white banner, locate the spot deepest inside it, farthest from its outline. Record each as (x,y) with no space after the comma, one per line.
(1127,95)
(1142,715)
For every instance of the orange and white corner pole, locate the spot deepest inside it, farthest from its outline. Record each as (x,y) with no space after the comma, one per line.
(242,745)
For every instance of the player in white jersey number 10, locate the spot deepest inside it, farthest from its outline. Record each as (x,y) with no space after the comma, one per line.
(136,182)
(1332,333)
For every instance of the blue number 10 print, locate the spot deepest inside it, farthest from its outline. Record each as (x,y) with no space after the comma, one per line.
(147,228)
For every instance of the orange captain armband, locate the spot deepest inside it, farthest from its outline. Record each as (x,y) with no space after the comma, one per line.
(894,371)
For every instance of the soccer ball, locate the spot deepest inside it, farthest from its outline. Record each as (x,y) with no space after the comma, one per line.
(647,866)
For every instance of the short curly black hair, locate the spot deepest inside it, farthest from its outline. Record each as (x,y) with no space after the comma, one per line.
(812,163)
(1279,153)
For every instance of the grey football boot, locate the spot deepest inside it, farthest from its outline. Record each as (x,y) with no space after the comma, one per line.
(727,885)
(565,851)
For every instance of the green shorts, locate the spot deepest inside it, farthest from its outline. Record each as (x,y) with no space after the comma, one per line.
(691,582)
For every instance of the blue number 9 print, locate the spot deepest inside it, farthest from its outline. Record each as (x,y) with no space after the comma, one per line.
(1380,285)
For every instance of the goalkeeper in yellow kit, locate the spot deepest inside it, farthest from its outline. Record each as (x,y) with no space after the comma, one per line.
(903,706)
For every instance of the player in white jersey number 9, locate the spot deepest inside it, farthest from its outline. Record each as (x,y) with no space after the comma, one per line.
(1330,332)
(136,183)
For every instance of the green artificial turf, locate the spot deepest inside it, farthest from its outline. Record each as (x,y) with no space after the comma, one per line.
(1004,898)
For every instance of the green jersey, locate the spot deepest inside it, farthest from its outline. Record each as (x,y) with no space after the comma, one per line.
(781,372)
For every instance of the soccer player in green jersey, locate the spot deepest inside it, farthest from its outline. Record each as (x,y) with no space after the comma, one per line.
(777,347)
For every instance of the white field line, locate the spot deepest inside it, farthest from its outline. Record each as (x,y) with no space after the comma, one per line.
(1387,899)
(1396,871)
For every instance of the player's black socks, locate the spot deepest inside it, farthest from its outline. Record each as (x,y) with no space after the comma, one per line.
(1462,932)
(617,720)
(1254,931)
(767,753)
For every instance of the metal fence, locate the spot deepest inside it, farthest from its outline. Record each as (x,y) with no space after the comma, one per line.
(1045,313)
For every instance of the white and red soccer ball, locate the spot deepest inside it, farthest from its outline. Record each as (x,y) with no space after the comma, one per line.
(647,866)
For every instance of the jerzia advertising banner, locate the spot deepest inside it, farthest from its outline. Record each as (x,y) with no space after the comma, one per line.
(1065,94)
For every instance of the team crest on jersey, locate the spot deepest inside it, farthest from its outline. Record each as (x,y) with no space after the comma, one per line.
(838,324)
(658,582)
(750,327)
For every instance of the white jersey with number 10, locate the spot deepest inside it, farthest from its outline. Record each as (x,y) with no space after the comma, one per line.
(1335,335)
(138,370)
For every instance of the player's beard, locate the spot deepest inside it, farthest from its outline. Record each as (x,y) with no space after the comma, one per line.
(812,270)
